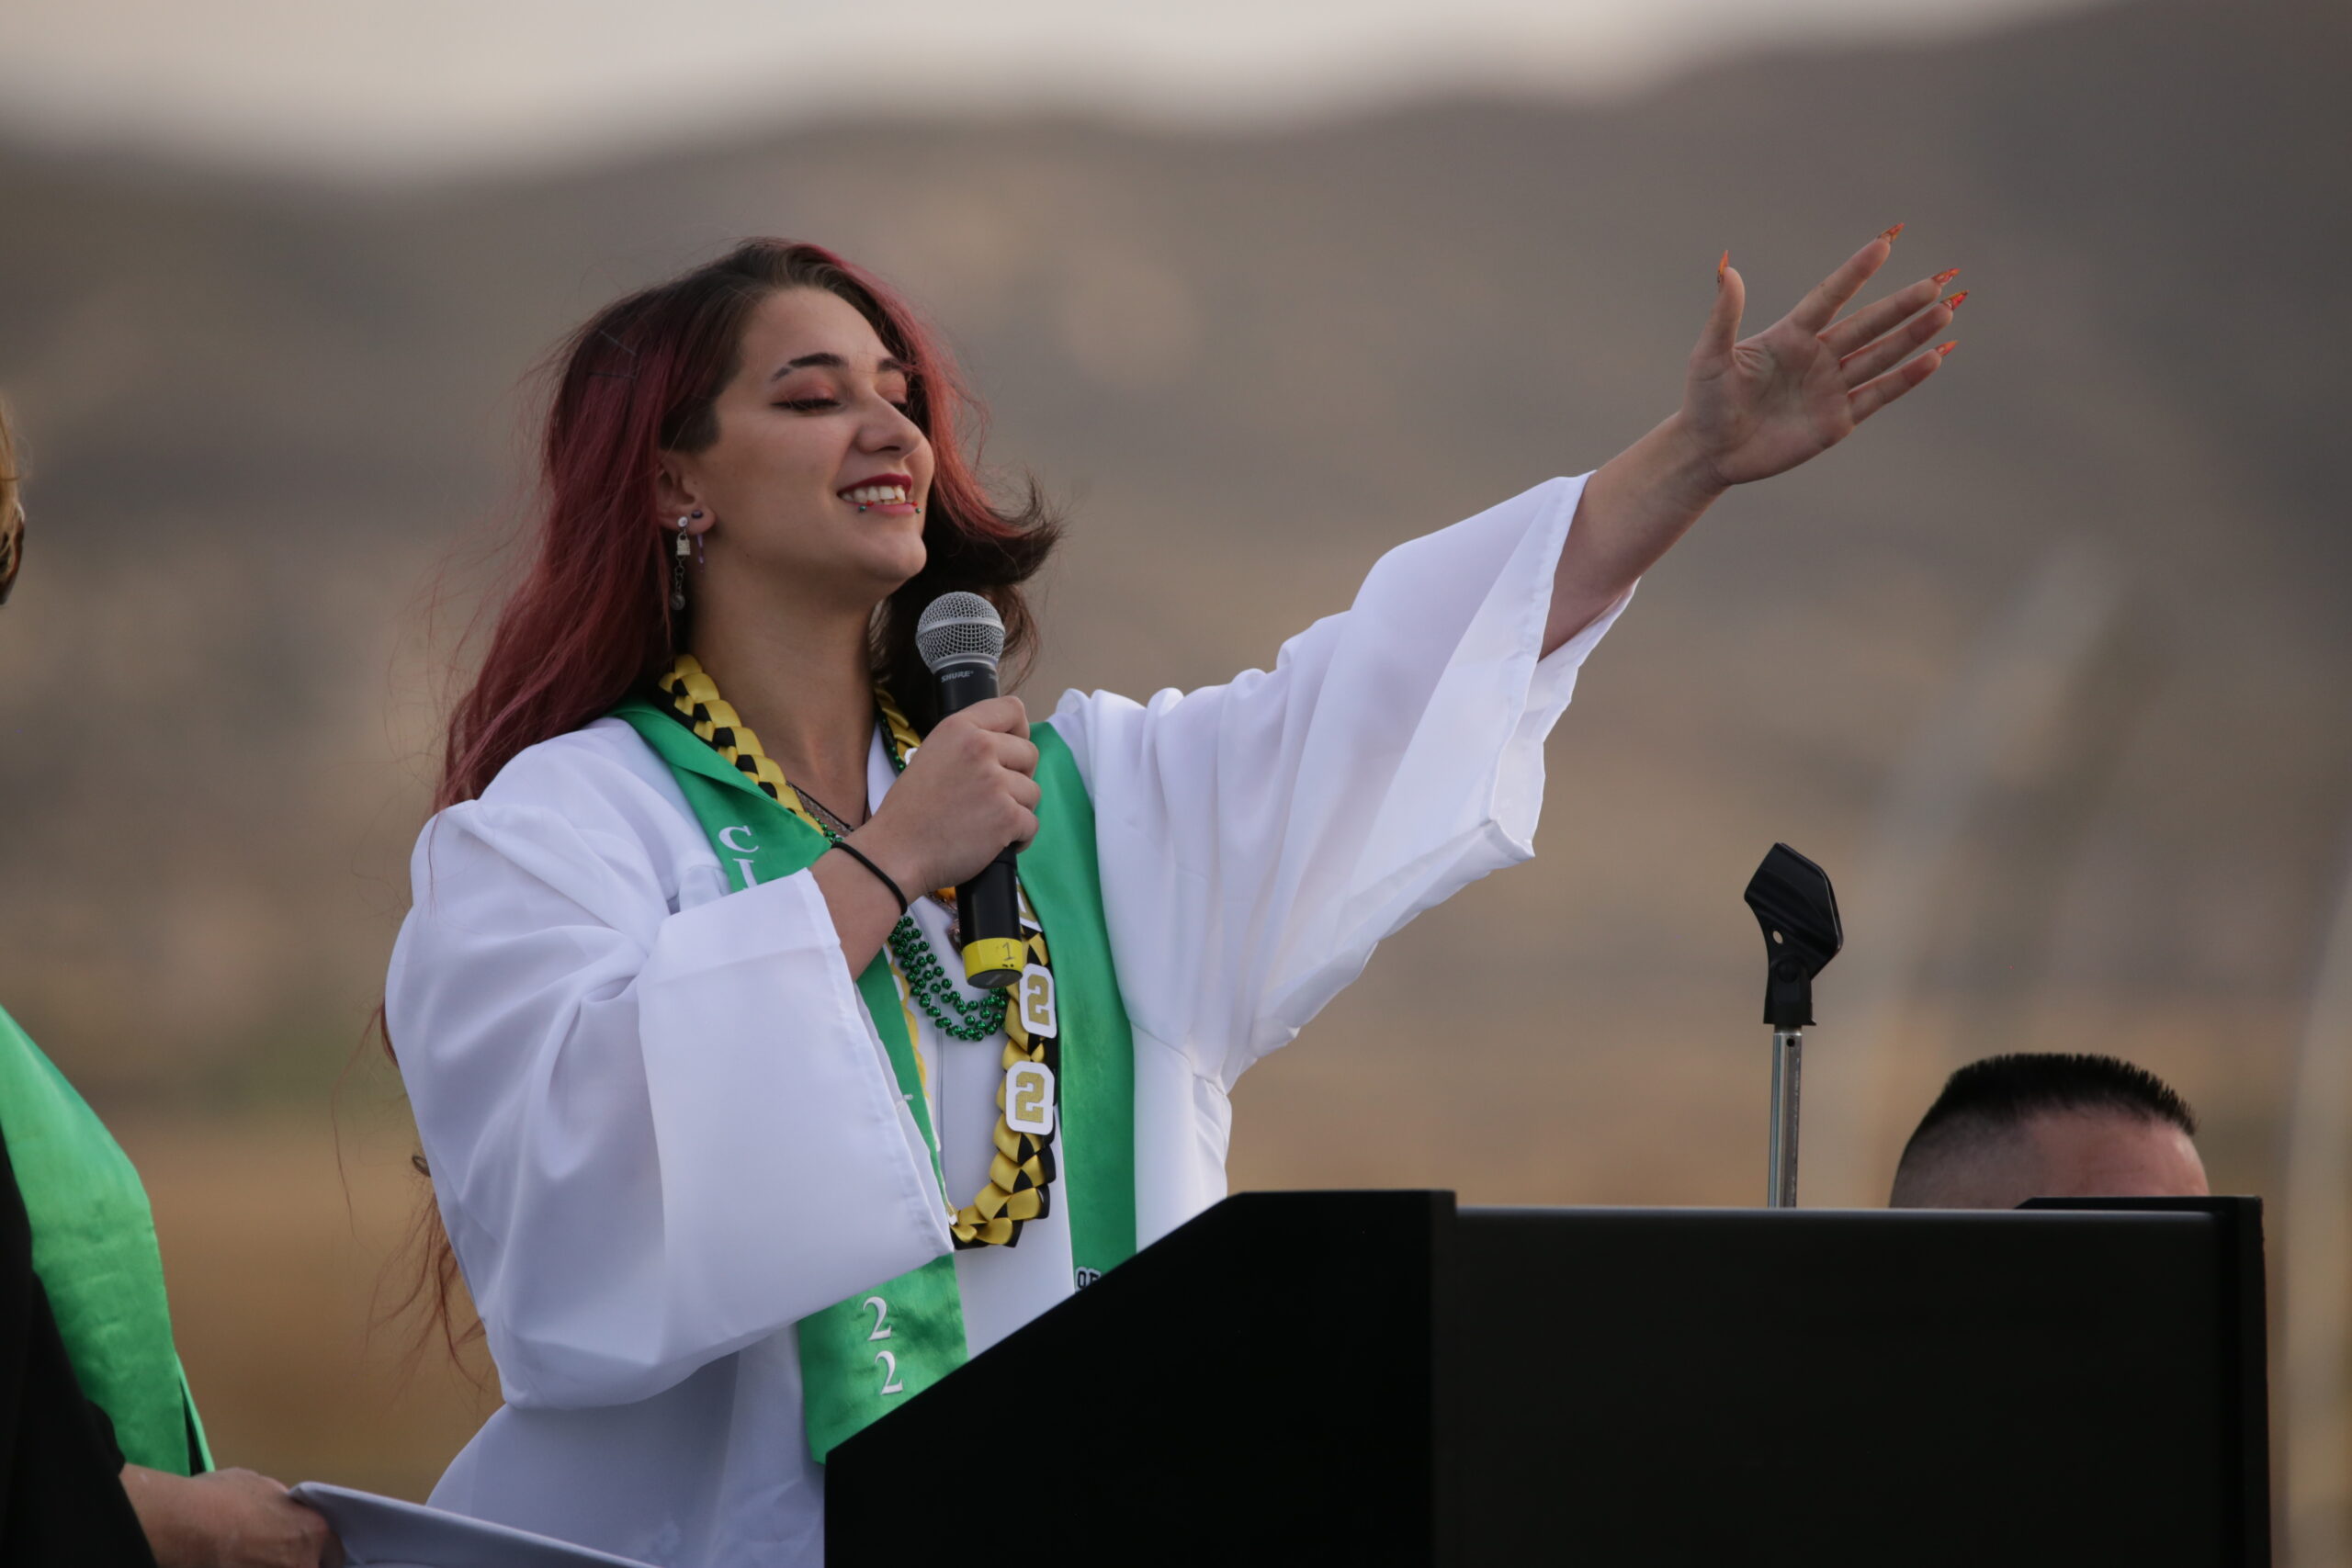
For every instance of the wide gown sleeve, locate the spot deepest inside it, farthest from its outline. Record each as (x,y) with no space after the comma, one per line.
(1259,838)
(657,1135)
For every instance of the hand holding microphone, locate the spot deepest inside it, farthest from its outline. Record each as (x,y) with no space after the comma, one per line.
(968,799)
(968,793)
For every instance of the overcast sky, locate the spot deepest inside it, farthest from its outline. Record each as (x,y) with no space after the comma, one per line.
(421,86)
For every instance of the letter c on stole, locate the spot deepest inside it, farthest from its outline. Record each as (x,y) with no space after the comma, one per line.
(742,851)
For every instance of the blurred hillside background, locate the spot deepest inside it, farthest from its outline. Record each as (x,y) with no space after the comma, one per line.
(2049,669)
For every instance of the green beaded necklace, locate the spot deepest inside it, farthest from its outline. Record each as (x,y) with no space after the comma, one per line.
(927,981)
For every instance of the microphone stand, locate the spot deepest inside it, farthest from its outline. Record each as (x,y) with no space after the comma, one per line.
(1798,910)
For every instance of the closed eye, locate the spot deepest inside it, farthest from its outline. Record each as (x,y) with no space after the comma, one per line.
(819,405)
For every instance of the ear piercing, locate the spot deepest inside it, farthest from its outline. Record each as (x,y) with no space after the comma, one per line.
(678,564)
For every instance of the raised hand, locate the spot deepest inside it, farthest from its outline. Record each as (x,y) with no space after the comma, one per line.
(1751,408)
(1759,406)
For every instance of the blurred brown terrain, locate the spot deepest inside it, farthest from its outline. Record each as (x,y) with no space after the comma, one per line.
(2048,669)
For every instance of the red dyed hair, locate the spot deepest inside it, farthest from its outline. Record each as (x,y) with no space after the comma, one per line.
(590,621)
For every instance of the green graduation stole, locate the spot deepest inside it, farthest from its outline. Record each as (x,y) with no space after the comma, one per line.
(862,1357)
(93,1247)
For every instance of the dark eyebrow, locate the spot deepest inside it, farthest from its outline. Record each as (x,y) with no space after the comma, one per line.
(835,362)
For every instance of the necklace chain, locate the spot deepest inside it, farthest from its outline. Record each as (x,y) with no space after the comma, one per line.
(836,826)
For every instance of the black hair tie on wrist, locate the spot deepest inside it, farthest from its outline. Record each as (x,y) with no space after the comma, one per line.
(859,856)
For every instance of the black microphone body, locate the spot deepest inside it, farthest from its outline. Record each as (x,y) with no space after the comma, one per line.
(988,907)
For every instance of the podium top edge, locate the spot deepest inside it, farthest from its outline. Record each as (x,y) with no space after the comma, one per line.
(2167,1214)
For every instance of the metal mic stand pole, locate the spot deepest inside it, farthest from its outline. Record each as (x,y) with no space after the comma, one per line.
(1795,904)
(1788,1070)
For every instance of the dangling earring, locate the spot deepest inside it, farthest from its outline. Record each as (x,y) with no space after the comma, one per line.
(678,566)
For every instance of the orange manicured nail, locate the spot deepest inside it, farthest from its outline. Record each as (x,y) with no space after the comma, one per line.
(1721,265)
(1944,348)
(1945,277)
(1953,303)
(1889,235)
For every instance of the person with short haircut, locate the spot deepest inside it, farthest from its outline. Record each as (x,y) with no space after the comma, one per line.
(2010,1128)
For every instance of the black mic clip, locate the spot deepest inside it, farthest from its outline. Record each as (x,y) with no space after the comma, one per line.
(1795,904)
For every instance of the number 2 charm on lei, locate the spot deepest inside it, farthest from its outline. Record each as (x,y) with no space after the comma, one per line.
(1034,995)
(1029,1098)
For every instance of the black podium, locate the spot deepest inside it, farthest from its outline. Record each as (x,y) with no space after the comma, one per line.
(1378,1378)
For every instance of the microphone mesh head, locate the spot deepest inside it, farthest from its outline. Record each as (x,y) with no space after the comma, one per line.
(959,628)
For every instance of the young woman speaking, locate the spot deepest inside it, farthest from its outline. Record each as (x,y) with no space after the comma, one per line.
(732,1157)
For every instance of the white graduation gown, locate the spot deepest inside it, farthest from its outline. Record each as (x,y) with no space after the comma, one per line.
(660,1125)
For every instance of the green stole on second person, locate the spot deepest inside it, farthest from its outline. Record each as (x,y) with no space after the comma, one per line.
(93,1247)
